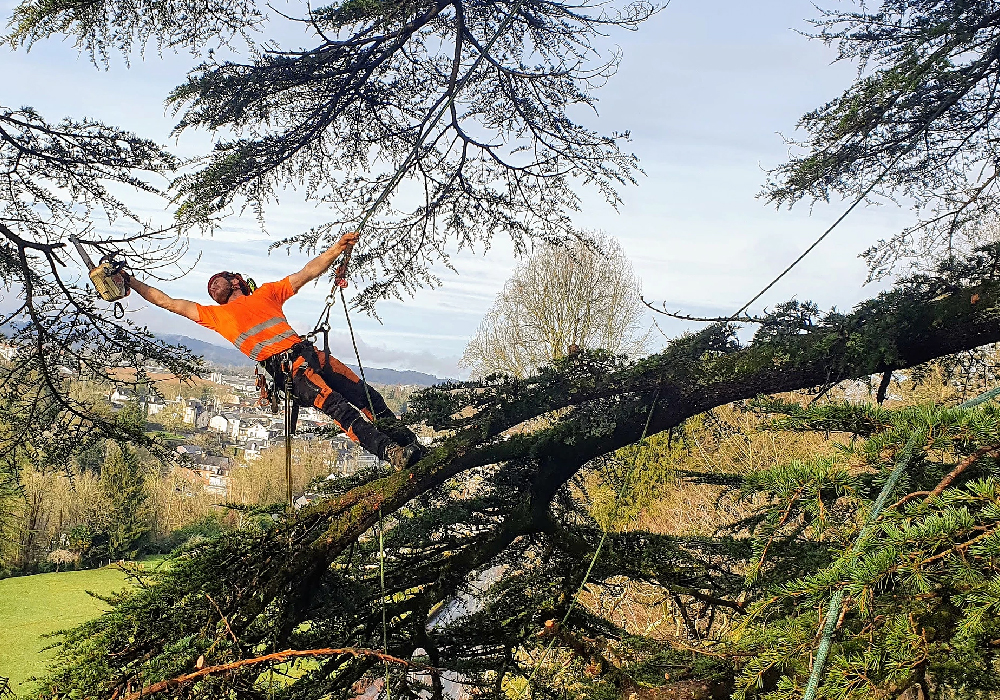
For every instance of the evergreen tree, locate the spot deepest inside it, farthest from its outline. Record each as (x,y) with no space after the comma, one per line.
(491,512)
(920,589)
(491,506)
(917,123)
(123,480)
(127,520)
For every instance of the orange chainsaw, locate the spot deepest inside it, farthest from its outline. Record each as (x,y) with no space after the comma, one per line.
(108,276)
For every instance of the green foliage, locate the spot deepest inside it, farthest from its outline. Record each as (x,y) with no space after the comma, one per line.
(492,512)
(123,480)
(194,534)
(921,590)
(184,24)
(916,124)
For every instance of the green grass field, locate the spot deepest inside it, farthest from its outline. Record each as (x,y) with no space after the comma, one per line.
(32,606)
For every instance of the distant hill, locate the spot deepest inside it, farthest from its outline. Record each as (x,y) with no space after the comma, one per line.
(214,354)
(221,355)
(385,375)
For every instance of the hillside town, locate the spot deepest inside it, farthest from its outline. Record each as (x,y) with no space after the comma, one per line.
(227,424)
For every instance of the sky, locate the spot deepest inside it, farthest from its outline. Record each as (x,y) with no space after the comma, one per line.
(708,89)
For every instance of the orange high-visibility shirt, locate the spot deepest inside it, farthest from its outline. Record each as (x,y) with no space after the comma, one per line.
(255,324)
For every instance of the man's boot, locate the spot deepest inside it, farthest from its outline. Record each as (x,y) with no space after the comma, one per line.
(396,430)
(382,446)
(403,457)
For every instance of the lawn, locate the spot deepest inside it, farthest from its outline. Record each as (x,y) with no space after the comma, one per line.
(31,606)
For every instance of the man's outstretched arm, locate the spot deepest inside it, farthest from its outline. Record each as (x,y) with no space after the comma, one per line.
(322,262)
(154,296)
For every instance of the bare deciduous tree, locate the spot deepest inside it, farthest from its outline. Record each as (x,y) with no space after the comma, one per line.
(582,294)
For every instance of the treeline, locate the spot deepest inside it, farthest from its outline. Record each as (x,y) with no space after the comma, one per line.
(119,501)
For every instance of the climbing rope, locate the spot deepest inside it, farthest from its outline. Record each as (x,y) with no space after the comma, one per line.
(837,599)
(385,624)
(860,198)
(286,366)
(600,545)
(357,355)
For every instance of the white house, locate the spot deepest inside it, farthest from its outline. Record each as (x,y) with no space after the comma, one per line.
(154,405)
(252,448)
(192,409)
(219,423)
(256,430)
(121,396)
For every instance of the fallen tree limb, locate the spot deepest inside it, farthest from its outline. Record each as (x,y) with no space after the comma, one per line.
(267,584)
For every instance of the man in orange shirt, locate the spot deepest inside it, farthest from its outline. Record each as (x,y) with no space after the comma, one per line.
(253,321)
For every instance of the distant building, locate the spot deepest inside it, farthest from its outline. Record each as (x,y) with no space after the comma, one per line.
(213,471)
(252,449)
(256,430)
(154,405)
(366,461)
(201,422)
(192,409)
(226,423)
(121,396)
(189,450)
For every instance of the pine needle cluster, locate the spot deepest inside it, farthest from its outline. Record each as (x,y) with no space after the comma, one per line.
(920,588)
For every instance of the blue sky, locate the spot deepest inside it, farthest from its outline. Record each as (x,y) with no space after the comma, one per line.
(706,89)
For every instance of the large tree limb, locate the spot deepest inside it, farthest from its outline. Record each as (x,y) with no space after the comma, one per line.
(889,333)
(587,406)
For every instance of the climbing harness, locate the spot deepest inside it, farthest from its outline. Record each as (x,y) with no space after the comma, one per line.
(837,599)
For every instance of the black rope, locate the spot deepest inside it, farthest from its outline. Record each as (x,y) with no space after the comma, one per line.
(357,354)
(286,366)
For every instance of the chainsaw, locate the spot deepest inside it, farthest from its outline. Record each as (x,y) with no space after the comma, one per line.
(108,276)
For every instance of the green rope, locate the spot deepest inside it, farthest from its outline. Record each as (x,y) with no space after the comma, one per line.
(837,599)
(597,552)
(385,625)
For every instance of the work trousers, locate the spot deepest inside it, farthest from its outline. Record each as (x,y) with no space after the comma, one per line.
(324,382)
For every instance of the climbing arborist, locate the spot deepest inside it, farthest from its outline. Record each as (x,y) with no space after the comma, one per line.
(253,320)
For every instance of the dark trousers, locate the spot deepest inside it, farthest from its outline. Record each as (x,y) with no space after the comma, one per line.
(324,382)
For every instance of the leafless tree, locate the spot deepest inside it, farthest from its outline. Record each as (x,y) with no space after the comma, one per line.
(583,294)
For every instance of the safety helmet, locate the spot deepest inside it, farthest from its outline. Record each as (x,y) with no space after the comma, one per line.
(220,292)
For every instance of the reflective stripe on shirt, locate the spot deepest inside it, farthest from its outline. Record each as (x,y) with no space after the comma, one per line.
(264,348)
(276,336)
(247,334)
